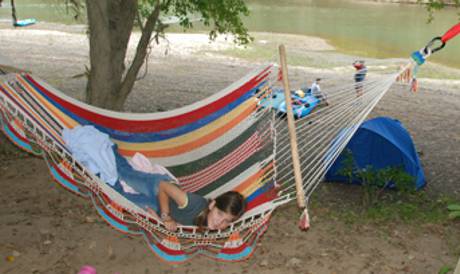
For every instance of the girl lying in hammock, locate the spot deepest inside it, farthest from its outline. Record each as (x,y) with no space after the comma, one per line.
(156,193)
(159,195)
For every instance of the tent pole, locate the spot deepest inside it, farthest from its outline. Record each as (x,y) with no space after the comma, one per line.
(292,130)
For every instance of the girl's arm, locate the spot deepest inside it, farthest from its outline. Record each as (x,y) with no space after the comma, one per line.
(166,191)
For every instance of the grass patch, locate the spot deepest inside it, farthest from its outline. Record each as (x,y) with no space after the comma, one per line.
(415,208)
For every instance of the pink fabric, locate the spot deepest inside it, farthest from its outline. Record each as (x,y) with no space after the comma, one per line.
(141,163)
(87,269)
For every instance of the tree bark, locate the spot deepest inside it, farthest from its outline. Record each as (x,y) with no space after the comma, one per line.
(141,52)
(110,26)
(13,13)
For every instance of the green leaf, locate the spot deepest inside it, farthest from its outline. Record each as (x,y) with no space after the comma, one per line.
(454,215)
(445,269)
(454,207)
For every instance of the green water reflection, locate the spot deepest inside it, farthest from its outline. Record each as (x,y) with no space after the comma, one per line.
(361,28)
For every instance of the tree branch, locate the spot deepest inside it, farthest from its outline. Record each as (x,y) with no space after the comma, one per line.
(141,51)
(139,21)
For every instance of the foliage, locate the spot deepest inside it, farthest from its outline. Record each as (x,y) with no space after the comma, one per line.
(74,7)
(435,5)
(445,269)
(348,165)
(110,24)
(375,181)
(454,211)
(221,15)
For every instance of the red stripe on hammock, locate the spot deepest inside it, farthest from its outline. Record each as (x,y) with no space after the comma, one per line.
(169,251)
(154,125)
(19,136)
(106,199)
(262,198)
(223,166)
(65,176)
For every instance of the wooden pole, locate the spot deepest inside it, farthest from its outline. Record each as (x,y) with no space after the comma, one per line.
(292,131)
(457,269)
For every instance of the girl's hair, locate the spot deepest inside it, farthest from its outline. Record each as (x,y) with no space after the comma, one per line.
(230,202)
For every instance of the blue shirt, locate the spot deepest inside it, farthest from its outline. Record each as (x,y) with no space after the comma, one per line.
(187,215)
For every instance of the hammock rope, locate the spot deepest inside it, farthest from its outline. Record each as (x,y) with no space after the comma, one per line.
(321,129)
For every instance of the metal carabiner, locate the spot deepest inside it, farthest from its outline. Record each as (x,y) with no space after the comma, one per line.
(428,50)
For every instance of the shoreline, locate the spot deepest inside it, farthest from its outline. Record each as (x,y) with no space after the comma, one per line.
(263,49)
(408,2)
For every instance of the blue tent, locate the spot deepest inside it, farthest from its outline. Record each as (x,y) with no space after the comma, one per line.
(381,142)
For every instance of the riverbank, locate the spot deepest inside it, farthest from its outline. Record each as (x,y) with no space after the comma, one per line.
(413,2)
(48,230)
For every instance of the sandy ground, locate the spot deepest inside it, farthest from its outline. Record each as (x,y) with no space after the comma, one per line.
(48,230)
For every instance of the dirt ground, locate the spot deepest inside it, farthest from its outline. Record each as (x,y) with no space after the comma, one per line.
(48,230)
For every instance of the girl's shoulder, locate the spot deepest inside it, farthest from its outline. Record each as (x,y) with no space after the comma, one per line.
(195,199)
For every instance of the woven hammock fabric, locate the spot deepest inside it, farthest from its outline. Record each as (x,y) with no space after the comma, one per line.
(221,143)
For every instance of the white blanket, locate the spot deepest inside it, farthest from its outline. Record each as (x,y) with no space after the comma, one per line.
(93,149)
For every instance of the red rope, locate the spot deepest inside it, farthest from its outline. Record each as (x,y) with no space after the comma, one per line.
(451,33)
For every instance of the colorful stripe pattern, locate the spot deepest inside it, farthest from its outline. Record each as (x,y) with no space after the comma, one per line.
(220,143)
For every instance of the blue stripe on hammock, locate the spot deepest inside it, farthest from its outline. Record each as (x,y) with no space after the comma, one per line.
(237,256)
(167,257)
(31,117)
(64,182)
(259,191)
(113,222)
(154,136)
(75,189)
(16,140)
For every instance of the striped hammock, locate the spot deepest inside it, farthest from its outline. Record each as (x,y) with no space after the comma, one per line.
(225,142)
(222,143)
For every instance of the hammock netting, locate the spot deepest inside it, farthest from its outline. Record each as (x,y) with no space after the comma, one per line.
(227,141)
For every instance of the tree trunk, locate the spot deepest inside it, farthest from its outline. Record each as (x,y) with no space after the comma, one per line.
(110,26)
(13,13)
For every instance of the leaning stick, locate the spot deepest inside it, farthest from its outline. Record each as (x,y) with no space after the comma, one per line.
(457,269)
(292,131)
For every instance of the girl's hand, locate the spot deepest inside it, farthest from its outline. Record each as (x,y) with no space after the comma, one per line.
(170,224)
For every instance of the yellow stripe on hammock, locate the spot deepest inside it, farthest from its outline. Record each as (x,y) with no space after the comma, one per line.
(193,140)
(31,111)
(54,111)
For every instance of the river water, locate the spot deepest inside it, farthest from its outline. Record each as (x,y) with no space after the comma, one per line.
(358,27)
